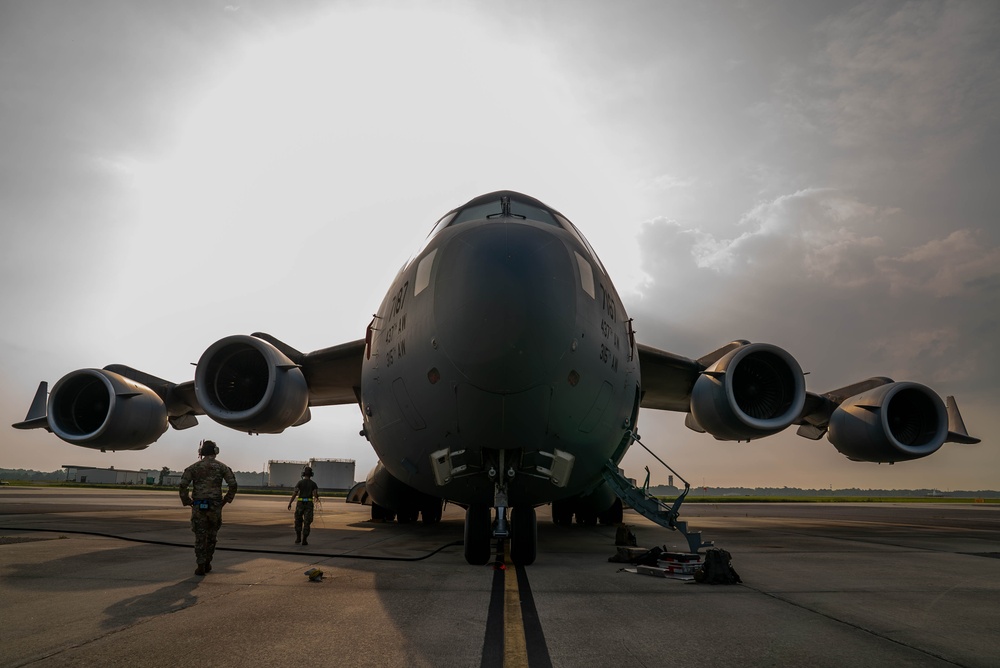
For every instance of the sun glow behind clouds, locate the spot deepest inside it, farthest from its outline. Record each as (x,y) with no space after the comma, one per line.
(341,127)
(361,103)
(314,167)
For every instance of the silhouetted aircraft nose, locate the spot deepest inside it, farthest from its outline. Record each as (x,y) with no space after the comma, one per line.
(505,304)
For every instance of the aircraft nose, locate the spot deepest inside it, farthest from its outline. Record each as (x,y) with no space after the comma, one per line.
(505,303)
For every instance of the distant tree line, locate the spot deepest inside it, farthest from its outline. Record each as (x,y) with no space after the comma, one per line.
(29,475)
(255,479)
(248,478)
(666,490)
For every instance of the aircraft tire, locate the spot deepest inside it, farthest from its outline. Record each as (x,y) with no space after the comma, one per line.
(408,516)
(613,515)
(524,535)
(562,513)
(380,514)
(478,526)
(431,514)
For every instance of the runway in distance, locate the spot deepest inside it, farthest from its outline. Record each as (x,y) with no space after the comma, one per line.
(501,373)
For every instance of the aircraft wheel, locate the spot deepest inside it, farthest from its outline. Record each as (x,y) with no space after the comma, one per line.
(562,513)
(431,514)
(613,515)
(380,514)
(523,535)
(586,518)
(477,534)
(407,516)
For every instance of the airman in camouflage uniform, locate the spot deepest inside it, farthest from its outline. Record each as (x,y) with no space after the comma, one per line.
(206,507)
(305,496)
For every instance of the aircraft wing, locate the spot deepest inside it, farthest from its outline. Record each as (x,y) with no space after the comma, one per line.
(819,409)
(255,383)
(745,391)
(333,374)
(667,379)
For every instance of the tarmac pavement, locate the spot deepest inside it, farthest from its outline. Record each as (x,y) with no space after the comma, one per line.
(823,585)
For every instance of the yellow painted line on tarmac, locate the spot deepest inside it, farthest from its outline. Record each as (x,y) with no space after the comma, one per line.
(515,649)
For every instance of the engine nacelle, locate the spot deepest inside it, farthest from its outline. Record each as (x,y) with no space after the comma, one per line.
(99,409)
(892,423)
(246,383)
(753,391)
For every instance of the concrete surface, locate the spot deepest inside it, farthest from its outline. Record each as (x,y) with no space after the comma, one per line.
(823,585)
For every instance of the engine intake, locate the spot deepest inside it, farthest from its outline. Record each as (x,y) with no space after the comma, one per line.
(891,423)
(246,383)
(753,391)
(100,409)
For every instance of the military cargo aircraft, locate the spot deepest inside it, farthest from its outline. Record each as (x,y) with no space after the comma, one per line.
(501,372)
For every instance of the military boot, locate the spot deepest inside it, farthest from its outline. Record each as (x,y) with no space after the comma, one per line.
(298,537)
(305,534)
(200,570)
(208,566)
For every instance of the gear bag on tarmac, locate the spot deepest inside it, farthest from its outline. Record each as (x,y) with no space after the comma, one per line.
(717,568)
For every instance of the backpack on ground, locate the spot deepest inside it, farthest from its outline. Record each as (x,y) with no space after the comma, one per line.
(717,568)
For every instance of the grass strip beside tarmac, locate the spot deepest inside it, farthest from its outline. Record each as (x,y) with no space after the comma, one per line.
(831,499)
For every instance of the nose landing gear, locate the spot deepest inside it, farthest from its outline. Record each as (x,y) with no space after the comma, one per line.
(521,530)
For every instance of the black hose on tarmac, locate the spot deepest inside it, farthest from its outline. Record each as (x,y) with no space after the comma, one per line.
(242,549)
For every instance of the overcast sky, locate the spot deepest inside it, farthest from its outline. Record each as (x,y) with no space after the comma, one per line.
(821,176)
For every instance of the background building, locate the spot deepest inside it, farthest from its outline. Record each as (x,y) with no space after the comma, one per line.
(108,476)
(336,474)
(284,473)
(330,474)
(251,478)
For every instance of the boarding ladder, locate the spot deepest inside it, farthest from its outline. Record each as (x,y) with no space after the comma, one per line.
(651,507)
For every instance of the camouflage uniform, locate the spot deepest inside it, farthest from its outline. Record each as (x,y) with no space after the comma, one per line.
(306,491)
(207,476)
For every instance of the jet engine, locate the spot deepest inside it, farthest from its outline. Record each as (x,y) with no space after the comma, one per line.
(755,390)
(100,409)
(891,423)
(246,383)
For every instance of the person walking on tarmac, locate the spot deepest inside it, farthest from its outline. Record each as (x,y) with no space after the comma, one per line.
(307,493)
(206,475)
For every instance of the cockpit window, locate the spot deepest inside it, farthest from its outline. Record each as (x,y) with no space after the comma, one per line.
(566,225)
(532,212)
(441,224)
(476,212)
(504,207)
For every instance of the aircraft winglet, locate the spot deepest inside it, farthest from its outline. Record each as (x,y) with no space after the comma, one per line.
(956,425)
(37,416)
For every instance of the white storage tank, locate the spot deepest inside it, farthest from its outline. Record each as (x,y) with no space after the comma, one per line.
(336,474)
(284,473)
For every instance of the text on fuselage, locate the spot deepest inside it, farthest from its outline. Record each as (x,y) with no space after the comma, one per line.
(393,333)
(611,343)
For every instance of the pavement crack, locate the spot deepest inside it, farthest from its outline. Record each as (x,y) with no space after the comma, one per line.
(852,625)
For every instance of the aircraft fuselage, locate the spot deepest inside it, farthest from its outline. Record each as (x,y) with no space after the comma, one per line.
(501,354)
